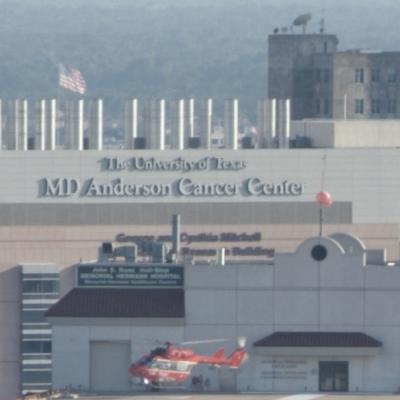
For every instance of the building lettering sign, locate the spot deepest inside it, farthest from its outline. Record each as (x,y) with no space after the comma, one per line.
(185,187)
(188,238)
(177,164)
(236,251)
(224,237)
(129,276)
(128,187)
(293,369)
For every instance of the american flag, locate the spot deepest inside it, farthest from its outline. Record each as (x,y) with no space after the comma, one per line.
(71,79)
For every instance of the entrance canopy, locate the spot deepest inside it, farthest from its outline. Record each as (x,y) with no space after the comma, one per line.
(318,344)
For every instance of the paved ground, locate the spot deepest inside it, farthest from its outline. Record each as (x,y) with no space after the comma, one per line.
(343,396)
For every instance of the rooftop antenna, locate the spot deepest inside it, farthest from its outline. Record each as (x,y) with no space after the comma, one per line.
(302,20)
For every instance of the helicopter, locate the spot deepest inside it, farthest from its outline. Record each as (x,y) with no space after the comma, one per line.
(172,364)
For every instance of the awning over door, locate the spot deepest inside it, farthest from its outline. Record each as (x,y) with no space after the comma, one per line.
(319,343)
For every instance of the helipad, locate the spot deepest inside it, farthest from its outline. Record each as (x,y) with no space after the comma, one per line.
(319,396)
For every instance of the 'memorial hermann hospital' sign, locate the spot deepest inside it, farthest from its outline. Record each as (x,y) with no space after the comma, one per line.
(129,276)
(182,187)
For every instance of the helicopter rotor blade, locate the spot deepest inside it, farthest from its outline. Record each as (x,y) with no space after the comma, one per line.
(203,341)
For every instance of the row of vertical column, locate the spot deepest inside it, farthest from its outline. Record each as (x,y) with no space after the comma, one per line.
(273,120)
(74,125)
(45,123)
(186,129)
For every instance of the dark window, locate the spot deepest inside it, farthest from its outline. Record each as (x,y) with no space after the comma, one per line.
(392,75)
(359,106)
(392,107)
(319,253)
(326,75)
(325,47)
(326,107)
(318,75)
(36,377)
(317,106)
(376,106)
(40,286)
(359,75)
(36,346)
(375,75)
(33,316)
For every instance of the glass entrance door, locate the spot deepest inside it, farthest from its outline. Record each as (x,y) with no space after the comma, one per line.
(333,376)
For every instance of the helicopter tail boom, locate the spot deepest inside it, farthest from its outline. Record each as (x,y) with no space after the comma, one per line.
(237,358)
(219,353)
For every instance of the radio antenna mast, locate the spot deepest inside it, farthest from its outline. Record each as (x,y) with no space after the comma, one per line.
(323,198)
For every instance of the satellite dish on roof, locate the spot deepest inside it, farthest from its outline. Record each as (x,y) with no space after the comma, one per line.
(302,20)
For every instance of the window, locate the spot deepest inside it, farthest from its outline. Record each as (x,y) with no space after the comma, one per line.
(317,107)
(392,75)
(36,376)
(359,75)
(319,253)
(359,106)
(40,286)
(36,346)
(392,107)
(33,316)
(326,107)
(375,75)
(325,47)
(181,366)
(318,75)
(326,75)
(376,106)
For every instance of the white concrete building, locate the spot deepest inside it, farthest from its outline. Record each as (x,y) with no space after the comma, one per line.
(323,318)
(56,206)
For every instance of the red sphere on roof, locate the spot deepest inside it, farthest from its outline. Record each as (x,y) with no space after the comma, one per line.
(324,199)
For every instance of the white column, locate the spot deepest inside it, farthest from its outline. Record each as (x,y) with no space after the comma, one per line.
(155,124)
(100,131)
(273,122)
(283,123)
(40,139)
(177,109)
(24,131)
(131,122)
(80,124)
(51,139)
(231,126)
(189,121)
(266,123)
(287,125)
(18,129)
(206,124)
(69,125)
(161,125)
(96,124)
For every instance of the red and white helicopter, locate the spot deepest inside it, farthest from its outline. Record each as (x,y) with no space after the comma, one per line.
(172,364)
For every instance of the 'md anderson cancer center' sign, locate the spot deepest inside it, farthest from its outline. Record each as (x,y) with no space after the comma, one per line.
(112,184)
(129,276)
